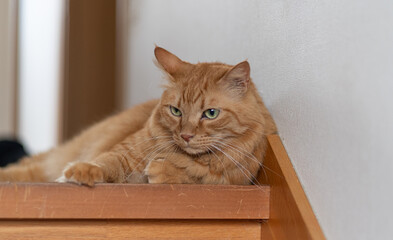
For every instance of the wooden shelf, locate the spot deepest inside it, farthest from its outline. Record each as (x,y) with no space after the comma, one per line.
(179,211)
(132,201)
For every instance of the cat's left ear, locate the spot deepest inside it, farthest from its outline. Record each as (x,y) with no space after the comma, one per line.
(237,80)
(169,62)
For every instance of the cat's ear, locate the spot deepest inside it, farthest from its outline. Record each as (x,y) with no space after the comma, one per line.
(168,61)
(237,80)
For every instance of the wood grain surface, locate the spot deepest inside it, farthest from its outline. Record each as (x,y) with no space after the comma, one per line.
(130,229)
(291,215)
(132,201)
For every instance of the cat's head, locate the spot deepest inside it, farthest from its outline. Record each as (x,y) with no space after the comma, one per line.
(207,105)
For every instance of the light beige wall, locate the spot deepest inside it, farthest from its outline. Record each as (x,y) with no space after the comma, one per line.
(325,70)
(7,67)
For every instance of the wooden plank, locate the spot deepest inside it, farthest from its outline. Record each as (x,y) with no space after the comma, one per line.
(132,201)
(291,216)
(129,229)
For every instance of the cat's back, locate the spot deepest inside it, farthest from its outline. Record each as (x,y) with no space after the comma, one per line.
(114,129)
(99,138)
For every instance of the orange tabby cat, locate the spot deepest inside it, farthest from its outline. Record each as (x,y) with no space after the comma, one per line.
(208,127)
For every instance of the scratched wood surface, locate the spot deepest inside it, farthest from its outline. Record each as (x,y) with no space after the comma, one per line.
(130,229)
(132,201)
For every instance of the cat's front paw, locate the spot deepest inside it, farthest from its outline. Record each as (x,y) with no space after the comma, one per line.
(83,173)
(155,171)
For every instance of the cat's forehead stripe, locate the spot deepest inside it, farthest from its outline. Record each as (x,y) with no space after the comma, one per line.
(191,94)
(197,96)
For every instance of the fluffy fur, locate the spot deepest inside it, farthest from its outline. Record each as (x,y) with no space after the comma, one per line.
(149,143)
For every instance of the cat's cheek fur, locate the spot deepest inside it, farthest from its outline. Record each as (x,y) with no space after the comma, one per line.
(82,173)
(169,121)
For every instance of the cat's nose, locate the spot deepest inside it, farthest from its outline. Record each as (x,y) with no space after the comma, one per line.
(186,137)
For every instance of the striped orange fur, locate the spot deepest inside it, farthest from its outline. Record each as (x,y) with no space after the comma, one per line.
(209,127)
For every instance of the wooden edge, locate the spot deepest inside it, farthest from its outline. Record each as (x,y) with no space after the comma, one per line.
(129,229)
(291,215)
(132,201)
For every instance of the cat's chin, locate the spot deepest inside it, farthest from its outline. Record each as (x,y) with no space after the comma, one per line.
(193,151)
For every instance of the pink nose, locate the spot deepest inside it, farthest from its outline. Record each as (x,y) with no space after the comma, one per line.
(186,137)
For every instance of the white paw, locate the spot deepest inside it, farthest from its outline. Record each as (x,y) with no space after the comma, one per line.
(82,173)
(61,179)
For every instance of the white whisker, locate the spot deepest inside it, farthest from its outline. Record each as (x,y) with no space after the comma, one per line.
(241,166)
(238,164)
(248,155)
(222,164)
(159,148)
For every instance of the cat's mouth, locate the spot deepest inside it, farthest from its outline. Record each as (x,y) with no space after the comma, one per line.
(193,151)
(191,148)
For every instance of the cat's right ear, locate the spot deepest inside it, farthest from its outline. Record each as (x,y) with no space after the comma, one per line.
(168,61)
(237,80)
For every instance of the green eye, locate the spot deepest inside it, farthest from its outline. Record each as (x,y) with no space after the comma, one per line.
(175,111)
(211,113)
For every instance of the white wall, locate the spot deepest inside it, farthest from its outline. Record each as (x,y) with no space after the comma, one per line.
(325,69)
(41,46)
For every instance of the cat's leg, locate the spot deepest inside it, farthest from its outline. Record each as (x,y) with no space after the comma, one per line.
(162,170)
(110,167)
(179,168)
(28,169)
(176,168)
